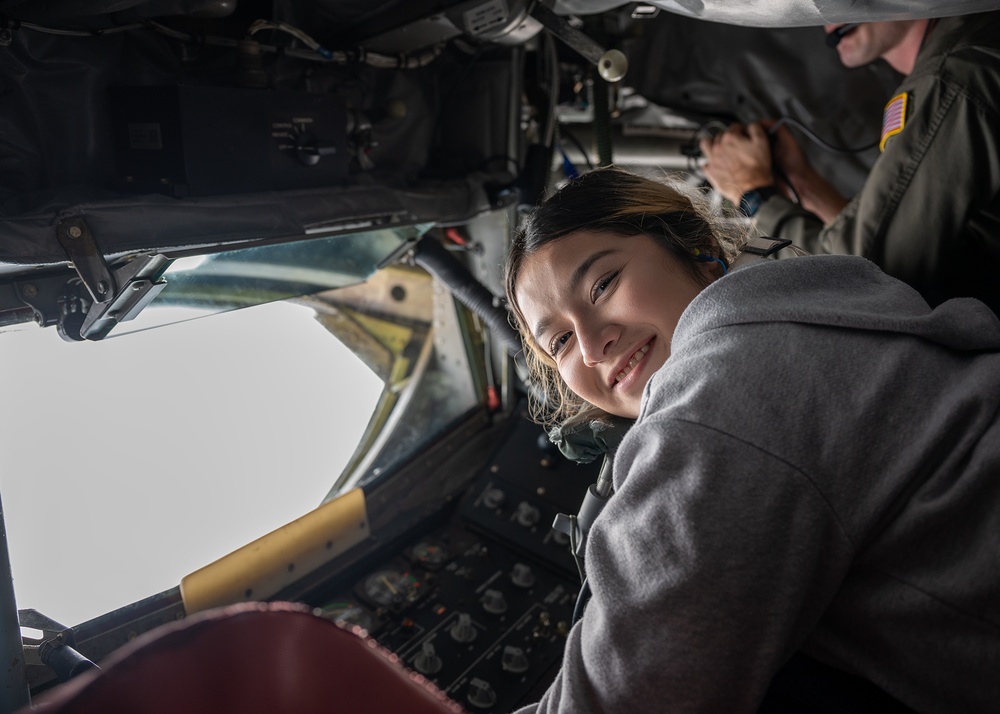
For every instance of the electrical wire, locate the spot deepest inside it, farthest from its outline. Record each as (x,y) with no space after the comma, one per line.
(509,162)
(783,177)
(15,24)
(313,51)
(581,602)
(564,131)
(569,170)
(574,543)
(550,64)
(211,40)
(260,25)
(715,126)
(373,59)
(605,484)
(493,402)
(819,140)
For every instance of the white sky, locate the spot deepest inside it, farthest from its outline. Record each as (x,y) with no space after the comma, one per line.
(129,463)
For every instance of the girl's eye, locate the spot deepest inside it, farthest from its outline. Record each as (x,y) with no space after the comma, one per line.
(601,285)
(557,343)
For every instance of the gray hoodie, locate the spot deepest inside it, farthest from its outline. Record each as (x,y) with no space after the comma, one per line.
(816,469)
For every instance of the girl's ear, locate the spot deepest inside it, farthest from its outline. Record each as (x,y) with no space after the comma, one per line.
(712,268)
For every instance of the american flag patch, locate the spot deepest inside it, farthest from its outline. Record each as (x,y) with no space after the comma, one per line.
(893,119)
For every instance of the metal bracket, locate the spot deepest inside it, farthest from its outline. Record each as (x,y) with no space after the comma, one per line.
(54,300)
(611,64)
(141,281)
(78,242)
(50,628)
(119,294)
(56,649)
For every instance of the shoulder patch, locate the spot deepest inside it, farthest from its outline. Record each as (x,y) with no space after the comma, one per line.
(893,118)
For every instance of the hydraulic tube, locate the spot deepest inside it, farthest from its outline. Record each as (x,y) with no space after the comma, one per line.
(436,260)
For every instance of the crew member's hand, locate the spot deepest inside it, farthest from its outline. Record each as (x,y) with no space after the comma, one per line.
(738,160)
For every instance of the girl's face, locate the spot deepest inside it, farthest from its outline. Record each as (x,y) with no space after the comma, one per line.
(604,307)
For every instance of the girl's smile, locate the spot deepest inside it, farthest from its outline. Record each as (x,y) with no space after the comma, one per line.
(603,307)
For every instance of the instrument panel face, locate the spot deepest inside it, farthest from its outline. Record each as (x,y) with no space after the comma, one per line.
(475,617)
(482,604)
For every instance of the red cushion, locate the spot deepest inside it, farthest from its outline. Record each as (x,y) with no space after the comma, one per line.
(251,657)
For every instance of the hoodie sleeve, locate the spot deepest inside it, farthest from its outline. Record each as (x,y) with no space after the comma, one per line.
(708,567)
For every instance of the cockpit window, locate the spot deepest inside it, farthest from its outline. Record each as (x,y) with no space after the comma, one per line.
(128,463)
(132,461)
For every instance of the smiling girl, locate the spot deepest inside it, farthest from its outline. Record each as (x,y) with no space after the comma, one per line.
(809,493)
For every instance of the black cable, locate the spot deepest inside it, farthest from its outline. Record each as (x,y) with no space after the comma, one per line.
(509,162)
(564,131)
(788,184)
(574,531)
(815,138)
(601,96)
(581,602)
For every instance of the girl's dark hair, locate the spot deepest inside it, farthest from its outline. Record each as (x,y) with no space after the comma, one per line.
(619,203)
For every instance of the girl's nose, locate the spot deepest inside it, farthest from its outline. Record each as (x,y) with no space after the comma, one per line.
(596,343)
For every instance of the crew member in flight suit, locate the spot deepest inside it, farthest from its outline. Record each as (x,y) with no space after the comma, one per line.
(929,212)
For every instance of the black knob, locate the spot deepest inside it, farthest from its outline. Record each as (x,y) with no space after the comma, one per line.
(427,662)
(463,630)
(514,660)
(309,149)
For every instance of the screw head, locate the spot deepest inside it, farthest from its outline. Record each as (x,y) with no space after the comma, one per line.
(74,232)
(29,290)
(102,287)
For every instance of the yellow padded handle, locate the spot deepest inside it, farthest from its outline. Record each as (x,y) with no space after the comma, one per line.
(265,566)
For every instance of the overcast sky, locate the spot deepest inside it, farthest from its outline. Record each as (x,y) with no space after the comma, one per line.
(129,463)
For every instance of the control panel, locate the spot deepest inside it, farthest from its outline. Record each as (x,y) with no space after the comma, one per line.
(482,604)
(200,141)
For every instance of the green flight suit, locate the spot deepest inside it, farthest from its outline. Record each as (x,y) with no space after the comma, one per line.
(929,212)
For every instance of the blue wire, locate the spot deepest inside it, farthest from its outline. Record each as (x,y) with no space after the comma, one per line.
(568,168)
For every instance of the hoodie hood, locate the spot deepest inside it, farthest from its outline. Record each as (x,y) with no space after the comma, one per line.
(842,291)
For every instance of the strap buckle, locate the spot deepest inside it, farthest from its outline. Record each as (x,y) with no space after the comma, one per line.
(765,247)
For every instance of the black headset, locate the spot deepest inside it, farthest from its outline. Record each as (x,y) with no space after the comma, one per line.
(834,38)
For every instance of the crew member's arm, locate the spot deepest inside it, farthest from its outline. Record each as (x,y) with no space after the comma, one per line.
(760,172)
(942,169)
